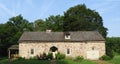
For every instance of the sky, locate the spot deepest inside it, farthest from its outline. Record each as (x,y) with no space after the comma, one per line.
(41,9)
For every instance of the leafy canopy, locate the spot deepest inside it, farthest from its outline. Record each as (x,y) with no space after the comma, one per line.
(81,18)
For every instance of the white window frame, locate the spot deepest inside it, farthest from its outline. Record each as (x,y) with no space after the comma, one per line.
(31,51)
(69,51)
(67,36)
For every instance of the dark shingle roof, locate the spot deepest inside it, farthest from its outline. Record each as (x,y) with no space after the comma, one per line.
(59,36)
(14,47)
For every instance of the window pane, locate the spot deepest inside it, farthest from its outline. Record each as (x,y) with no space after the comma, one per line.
(32,51)
(68,51)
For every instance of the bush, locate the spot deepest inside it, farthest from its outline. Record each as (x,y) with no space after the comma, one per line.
(21,58)
(42,56)
(105,57)
(33,58)
(50,56)
(109,51)
(79,58)
(60,56)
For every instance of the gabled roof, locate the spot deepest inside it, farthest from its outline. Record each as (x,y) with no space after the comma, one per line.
(14,47)
(60,36)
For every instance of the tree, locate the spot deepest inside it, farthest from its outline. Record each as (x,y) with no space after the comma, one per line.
(112,45)
(39,25)
(55,23)
(11,31)
(20,23)
(81,18)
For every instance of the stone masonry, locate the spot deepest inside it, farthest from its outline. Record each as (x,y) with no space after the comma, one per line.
(76,48)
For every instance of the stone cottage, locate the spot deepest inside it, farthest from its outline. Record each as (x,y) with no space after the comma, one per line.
(89,44)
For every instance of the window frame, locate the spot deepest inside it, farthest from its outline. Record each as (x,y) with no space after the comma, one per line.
(32,51)
(68,51)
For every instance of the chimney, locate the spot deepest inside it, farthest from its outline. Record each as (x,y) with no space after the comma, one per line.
(48,31)
(67,35)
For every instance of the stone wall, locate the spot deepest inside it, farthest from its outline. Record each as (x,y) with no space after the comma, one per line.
(76,48)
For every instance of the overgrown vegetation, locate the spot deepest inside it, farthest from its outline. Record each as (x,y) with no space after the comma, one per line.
(112,46)
(42,56)
(105,57)
(115,60)
(50,56)
(60,56)
(32,61)
(79,58)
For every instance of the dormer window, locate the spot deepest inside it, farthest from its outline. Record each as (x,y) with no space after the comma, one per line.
(48,31)
(67,35)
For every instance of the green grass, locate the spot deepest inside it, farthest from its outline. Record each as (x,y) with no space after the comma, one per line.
(64,61)
(1,58)
(80,62)
(6,61)
(115,60)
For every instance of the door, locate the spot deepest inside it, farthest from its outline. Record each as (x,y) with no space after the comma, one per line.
(93,55)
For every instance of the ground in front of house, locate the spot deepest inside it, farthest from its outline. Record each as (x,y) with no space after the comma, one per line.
(115,60)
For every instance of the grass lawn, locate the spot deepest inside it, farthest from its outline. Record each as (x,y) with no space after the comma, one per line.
(64,61)
(79,62)
(6,61)
(115,60)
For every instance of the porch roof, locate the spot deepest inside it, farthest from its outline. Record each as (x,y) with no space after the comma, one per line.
(13,47)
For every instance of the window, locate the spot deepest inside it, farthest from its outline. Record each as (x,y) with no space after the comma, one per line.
(68,51)
(32,51)
(67,35)
(93,48)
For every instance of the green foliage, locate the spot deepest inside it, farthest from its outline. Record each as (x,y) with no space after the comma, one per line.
(113,43)
(79,58)
(20,58)
(60,56)
(11,31)
(77,18)
(55,23)
(26,61)
(115,60)
(81,18)
(50,56)
(105,57)
(40,25)
(42,56)
(112,46)
(63,61)
(109,51)
(67,61)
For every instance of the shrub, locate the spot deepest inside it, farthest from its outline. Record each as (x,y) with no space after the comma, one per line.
(79,58)
(105,57)
(34,58)
(42,56)
(109,51)
(50,56)
(21,58)
(60,56)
